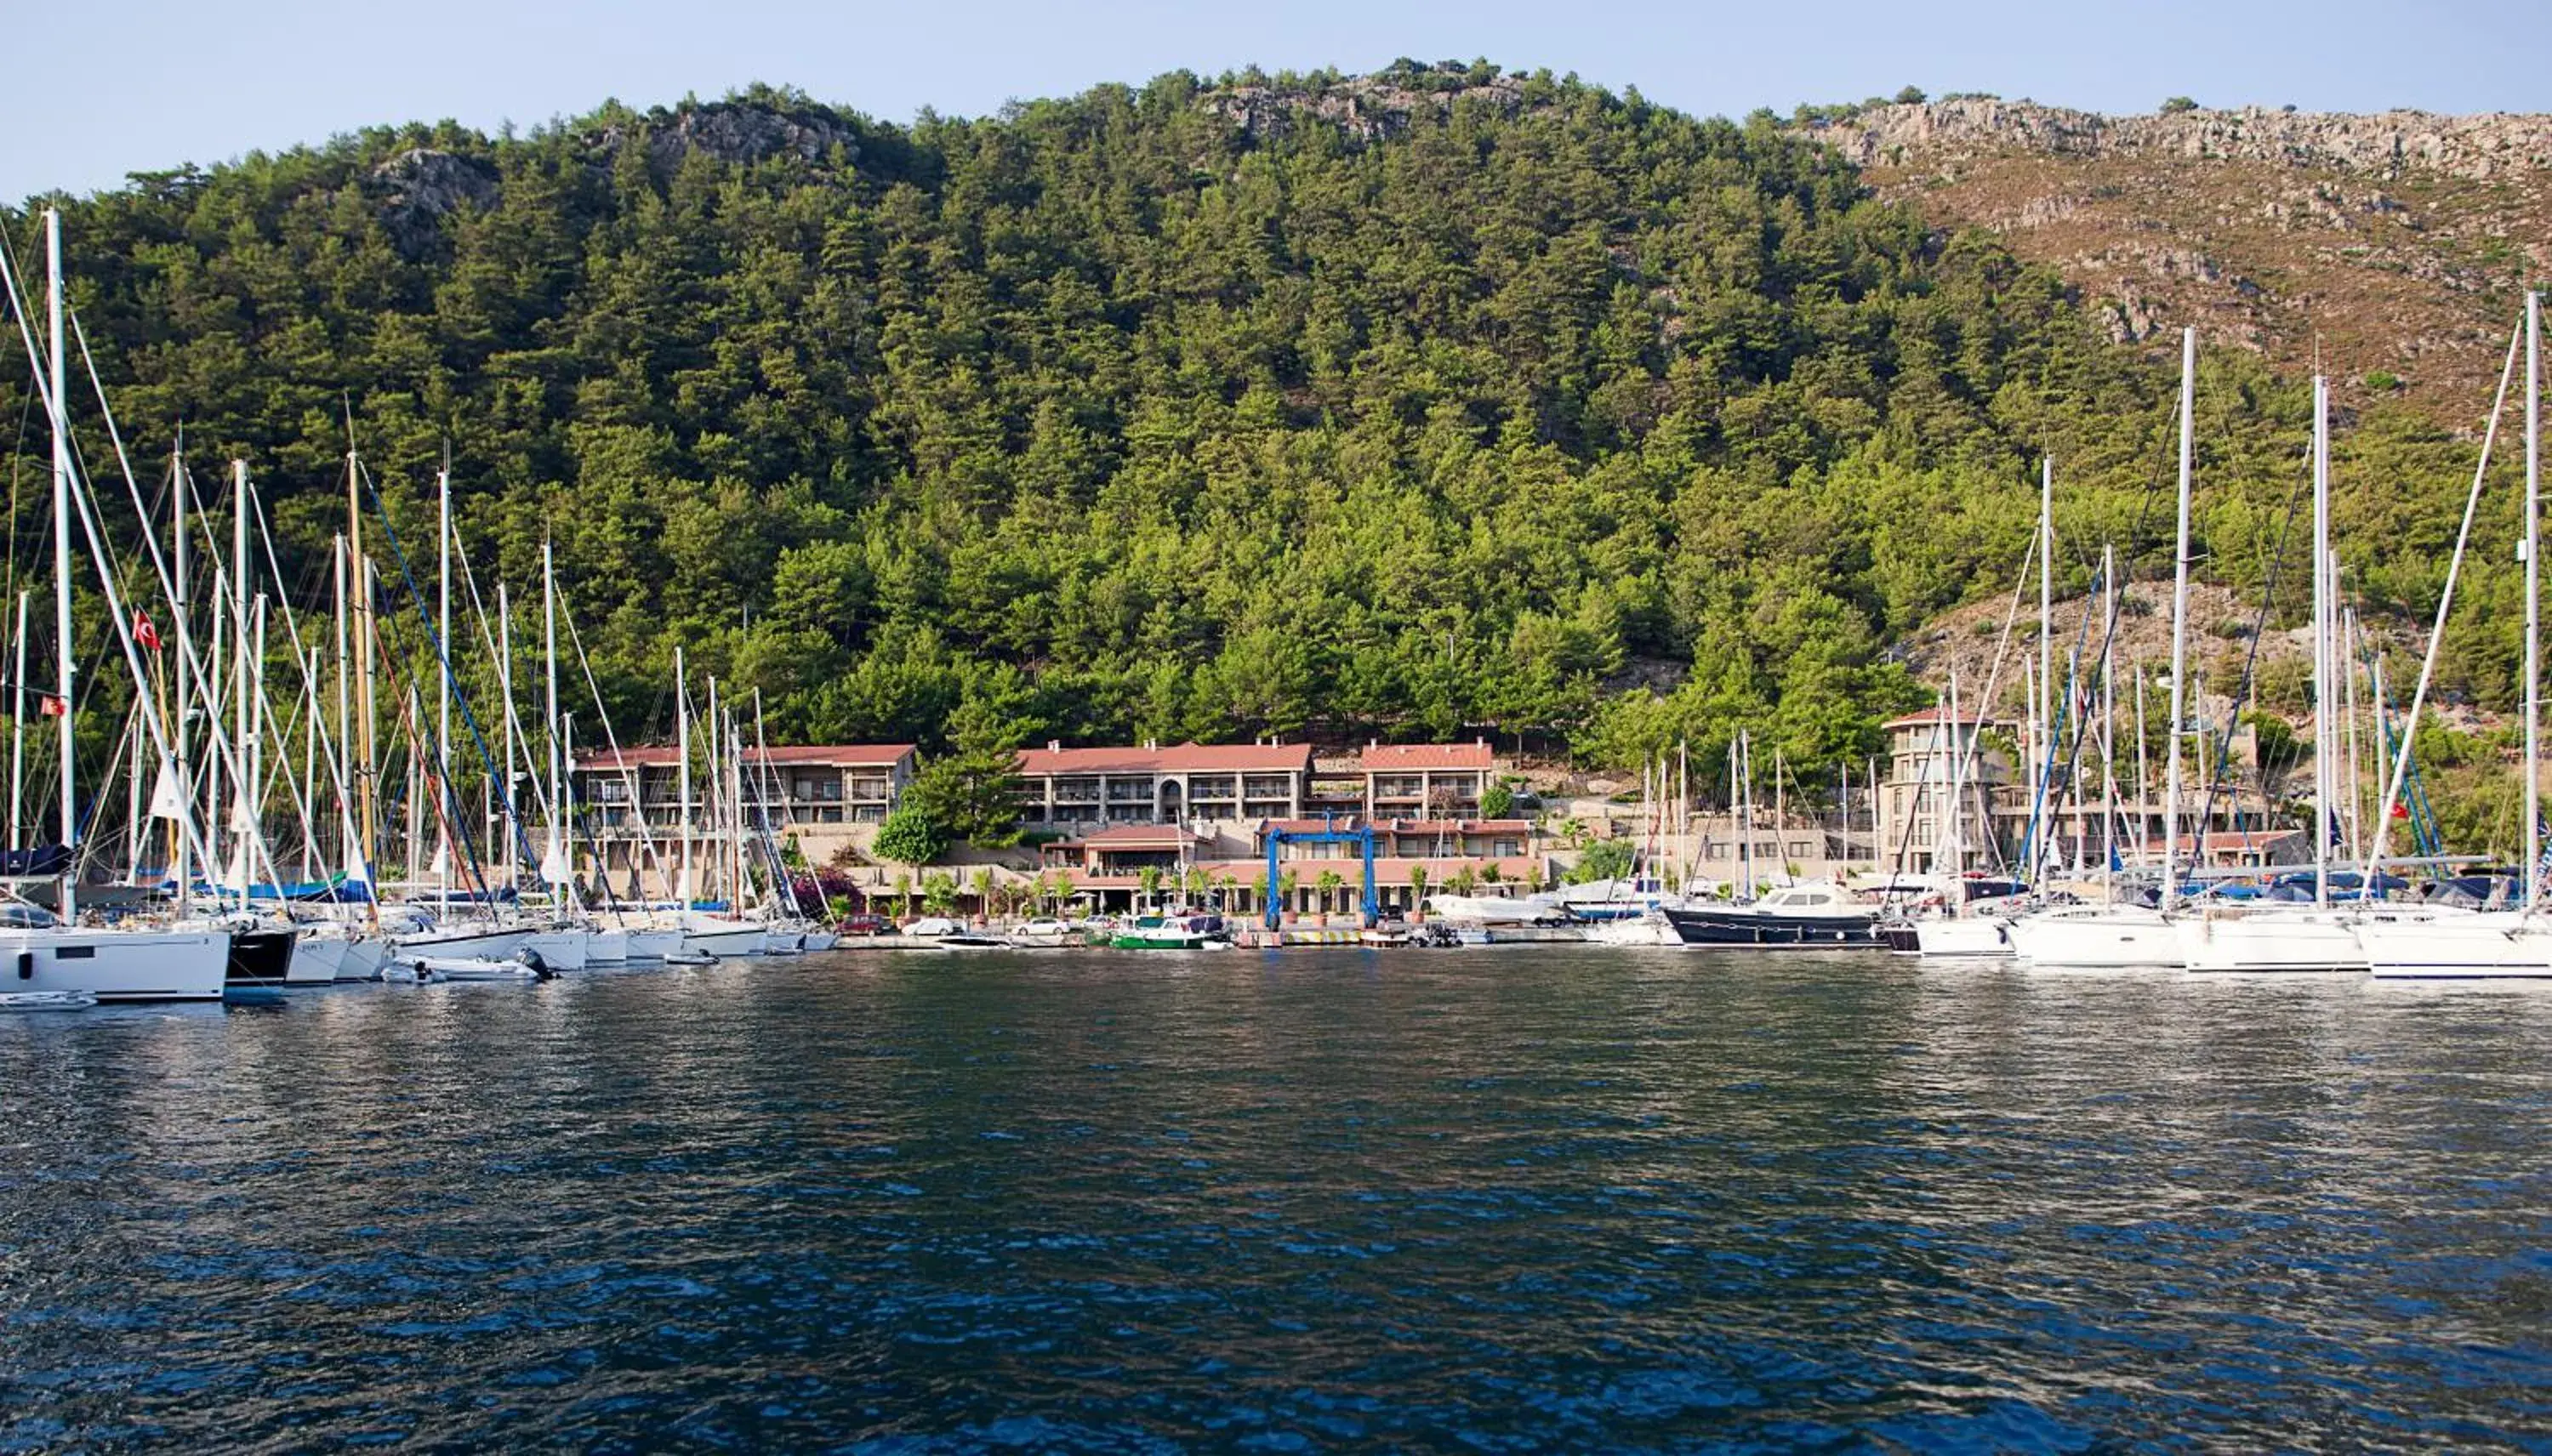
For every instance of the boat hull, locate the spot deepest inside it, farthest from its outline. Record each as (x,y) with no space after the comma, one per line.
(2479,947)
(1743,928)
(364,957)
(655,945)
(562,950)
(2272,944)
(261,956)
(606,947)
(727,940)
(2106,942)
(118,966)
(821,940)
(1965,937)
(320,959)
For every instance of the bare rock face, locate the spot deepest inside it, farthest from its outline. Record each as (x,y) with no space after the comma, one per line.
(1366,108)
(420,187)
(2477,147)
(2389,247)
(745,133)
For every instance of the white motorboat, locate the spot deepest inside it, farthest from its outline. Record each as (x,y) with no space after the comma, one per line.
(1651,929)
(471,968)
(462,939)
(177,965)
(2097,938)
(46,1000)
(2271,939)
(1490,910)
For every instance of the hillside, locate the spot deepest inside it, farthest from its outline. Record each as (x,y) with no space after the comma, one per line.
(1436,401)
(2396,243)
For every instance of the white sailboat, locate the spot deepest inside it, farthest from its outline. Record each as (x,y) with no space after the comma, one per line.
(2486,944)
(2271,939)
(2115,937)
(63,955)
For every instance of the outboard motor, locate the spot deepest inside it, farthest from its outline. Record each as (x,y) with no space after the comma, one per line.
(533,962)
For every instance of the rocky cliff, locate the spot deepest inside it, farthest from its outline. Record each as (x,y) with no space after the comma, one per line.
(2396,242)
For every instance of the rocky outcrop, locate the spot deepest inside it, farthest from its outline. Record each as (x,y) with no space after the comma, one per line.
(1366,108)
(420,187)
(2388,248)
(745,133)
(2388,143)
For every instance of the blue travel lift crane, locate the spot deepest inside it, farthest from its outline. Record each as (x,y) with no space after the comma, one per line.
(1361,836)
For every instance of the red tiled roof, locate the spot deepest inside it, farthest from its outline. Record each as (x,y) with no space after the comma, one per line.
(1386,758)
(1184,758)
(1455,826)
(831,754)
(1344,823)
(1941,714)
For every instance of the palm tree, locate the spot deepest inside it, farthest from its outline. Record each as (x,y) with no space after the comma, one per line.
(939,892)
(1286,883)
(1329,882)
(903,893)
(1416,886)
(1150,879)
(984,890)
(1062,890)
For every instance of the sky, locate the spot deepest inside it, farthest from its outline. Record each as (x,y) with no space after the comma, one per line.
(146,84)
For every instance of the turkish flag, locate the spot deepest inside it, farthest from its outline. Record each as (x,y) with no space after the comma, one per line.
(2401,812)
(144,633)
(54,707)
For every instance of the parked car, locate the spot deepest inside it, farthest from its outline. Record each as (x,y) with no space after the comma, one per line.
(931,927)
(864,924)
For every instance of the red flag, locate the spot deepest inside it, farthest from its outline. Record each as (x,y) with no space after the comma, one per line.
(54,707)
(2401,812)
(144,632)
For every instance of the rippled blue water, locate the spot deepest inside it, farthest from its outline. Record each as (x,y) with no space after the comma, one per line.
(1457,1200)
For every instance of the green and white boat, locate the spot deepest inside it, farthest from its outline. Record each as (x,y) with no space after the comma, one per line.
(1174,933)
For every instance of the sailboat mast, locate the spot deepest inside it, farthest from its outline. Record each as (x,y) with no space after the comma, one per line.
(2325,759)
(506,710)
(367,816)
(2535,832)
(682,784)
(18,731)
(717,785)
(184,872)
(2179,619)
(443,665)
(242,715)
(550,867)
(62,554)
(2043,692)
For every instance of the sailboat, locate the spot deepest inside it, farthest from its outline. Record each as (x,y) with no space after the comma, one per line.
(2436,945)
(41,952)
(2283,938)
(2119,937)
